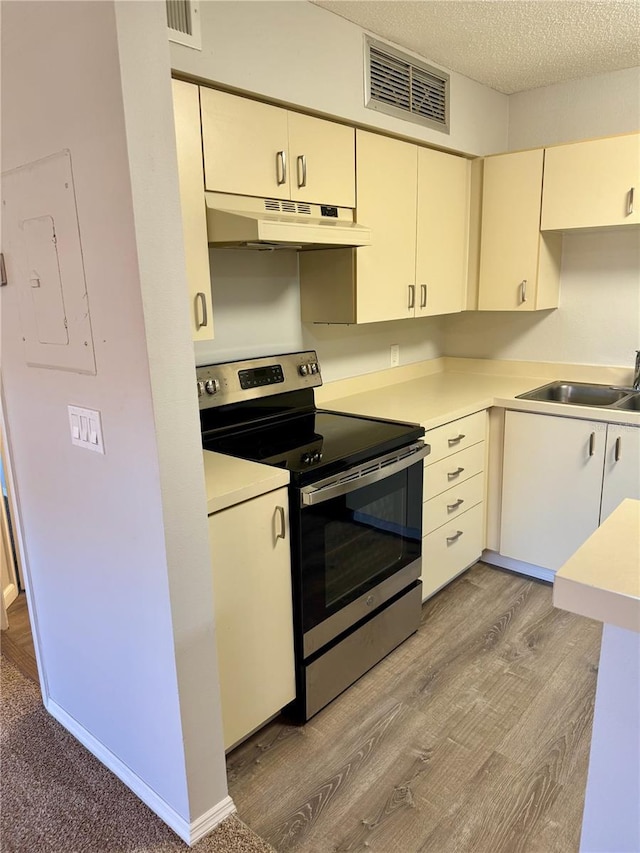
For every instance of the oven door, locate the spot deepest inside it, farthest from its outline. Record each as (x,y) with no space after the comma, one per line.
(360,538)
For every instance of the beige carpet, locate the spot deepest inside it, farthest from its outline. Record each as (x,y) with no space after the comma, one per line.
(58,798)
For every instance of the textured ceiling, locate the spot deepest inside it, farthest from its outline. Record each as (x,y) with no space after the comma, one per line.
(509,45)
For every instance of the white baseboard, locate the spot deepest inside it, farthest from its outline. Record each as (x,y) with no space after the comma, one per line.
(9,593)
(528,569)
(188,832)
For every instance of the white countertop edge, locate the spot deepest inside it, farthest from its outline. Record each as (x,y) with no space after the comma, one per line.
(604,605)
(566,410)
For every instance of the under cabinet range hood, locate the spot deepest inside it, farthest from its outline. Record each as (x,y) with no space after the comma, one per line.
(268,224)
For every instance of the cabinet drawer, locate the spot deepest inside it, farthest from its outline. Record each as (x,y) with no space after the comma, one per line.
(452,503)
(451,548)
(449,438)
(453,470)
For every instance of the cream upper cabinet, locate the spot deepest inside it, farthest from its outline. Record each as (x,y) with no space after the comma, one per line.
(442,232)
(592,184)
(386,271)
(416,203)
(519,267)
(256,149)
(322,161)
(186,108)
(253,611)
(245,146)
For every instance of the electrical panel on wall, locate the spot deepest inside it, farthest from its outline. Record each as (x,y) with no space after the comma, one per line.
(43,257)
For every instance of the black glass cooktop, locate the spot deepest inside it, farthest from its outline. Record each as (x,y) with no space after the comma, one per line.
(314,444)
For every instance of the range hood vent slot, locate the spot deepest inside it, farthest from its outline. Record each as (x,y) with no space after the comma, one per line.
(268,223)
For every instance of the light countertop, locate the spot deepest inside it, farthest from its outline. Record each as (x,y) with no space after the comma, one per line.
(449,389)
(230,481)
(602,579)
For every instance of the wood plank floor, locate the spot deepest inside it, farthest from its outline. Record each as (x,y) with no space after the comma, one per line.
(472,736)
(17,642)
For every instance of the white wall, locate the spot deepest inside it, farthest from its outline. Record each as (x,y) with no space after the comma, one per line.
(299,54)
(602,105)
(125,632)
(598,321)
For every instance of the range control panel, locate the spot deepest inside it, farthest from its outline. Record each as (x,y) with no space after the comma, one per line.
(235,381)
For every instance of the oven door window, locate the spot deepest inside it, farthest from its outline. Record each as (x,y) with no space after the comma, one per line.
(351,543)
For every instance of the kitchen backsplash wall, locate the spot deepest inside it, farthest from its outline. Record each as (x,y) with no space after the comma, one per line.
(257,312)
(598,321)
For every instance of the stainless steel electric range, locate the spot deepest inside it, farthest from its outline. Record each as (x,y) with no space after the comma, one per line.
(355,500)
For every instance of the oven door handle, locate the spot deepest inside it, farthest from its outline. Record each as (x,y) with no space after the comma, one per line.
(357,478)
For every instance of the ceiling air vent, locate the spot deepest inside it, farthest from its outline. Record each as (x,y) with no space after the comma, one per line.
(183,21)
(402,86)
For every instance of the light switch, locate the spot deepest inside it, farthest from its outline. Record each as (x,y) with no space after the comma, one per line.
(86,428)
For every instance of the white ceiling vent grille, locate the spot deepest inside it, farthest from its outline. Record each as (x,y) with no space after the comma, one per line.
(183,21)
(404,87)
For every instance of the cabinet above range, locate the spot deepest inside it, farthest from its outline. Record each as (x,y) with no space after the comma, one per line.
(256,149)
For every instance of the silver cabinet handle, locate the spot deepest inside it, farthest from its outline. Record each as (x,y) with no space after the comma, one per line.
(412,296)
(281,168)
(3,271)
(592,444)
(618,447)
(630,195)
(423,295)
(282,533)
(455,536)
(302,170)
(456,440)
(456,473)
(202,316)
(453,506)
(523,290)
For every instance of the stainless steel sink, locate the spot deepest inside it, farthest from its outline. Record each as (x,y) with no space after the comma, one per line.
(578,394)
(630,403)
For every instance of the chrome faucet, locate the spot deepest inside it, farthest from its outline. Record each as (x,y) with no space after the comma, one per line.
(636,376)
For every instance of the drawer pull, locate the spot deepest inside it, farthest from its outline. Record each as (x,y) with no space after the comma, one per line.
(281,532)
(456,440)
(452,507)
(452,474)
(455,536)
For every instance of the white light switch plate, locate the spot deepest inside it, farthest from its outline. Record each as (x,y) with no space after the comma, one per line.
(86,428)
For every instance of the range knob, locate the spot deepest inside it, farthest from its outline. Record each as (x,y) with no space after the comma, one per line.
(313,367)
(200,387)
(303,370)
(212,386)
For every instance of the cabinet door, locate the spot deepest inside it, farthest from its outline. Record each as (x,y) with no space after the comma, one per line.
(386,202)
(322,161)
(186,110)
(245,146)
(509,242)
(552,478)
(442,232)
(591,184)
(253,611)
(621,467)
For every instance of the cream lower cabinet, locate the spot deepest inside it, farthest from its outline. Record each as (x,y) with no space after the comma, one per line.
(519,267)
(454,499)
(253,611)
(621,467)
(186,108)
(257,149)
(416,203)
(561,478)
(592,184)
